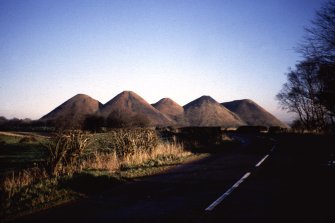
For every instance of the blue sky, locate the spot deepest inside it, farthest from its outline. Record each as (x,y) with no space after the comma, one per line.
(182,49)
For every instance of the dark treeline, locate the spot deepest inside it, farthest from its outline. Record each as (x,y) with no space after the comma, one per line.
(116,119)
(310,88)
(92,123)
(16,124)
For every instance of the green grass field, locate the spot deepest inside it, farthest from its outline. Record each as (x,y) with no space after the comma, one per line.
(20,151)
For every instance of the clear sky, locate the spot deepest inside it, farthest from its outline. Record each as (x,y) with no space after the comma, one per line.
(182,49)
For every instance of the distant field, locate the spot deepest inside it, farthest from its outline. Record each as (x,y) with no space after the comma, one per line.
(20,150)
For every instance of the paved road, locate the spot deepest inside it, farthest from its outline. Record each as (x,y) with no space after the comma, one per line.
(274,192)
(294,185)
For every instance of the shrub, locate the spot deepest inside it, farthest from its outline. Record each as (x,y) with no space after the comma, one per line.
(162,154)
(93,123)
(126,141)
(63,152)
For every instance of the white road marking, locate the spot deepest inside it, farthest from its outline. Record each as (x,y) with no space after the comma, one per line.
(227,193)
(272,149)
(230,190)
(262,160)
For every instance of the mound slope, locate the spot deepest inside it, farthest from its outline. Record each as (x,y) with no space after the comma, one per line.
(171,109)
(252,113)
(131,104)
(74,110)
(205,111)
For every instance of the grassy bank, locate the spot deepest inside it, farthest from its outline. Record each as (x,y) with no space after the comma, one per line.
(18,151)
(40,172)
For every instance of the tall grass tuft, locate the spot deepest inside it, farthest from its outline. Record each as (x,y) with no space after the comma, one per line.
(14,182)
(126,141)
(163,153)
(101,161)
(64,151)
(127,148)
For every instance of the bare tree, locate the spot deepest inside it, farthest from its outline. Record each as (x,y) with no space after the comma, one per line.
(310,88)
(299,95)
(319,41)
(326,95)
(297,126)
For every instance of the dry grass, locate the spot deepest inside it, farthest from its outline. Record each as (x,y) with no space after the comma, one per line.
(163,151)
(14,183)
(101,161)
(125,150)
(26,195)
(112,162)
(64,151)
(125,141)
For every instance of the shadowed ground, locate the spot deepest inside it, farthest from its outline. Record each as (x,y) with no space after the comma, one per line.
(293,185)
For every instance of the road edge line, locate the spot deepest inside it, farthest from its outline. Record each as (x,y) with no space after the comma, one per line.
(262,160)
(227,193)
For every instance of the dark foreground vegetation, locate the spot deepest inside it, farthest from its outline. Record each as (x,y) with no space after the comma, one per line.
(39,170)
(295,184)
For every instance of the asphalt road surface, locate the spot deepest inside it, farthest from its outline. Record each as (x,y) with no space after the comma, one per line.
(286,186)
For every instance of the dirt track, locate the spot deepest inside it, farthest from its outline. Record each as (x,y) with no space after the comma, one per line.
(23,134)
(12,134)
